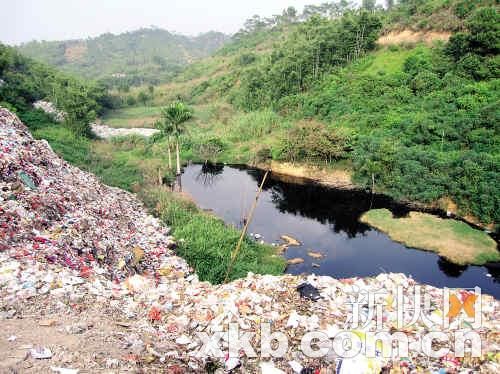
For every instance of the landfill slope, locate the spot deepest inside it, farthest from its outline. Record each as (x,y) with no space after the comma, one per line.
(89,281)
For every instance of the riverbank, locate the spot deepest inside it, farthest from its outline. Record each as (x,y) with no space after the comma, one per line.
(454,240)
(206,242)
(342,178)
(334,178)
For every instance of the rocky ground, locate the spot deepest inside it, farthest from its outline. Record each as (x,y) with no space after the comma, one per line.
(90,283)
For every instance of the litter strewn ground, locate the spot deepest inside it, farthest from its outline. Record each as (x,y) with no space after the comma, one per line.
(50,109)
(90,283)
(106,132)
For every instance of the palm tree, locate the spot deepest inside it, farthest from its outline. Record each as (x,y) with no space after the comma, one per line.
(173,118)
(165,131)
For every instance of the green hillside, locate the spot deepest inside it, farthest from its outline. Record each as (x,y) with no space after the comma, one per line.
(24,81)
(420,120)
(148,55)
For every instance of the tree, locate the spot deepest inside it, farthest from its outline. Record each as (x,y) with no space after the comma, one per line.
(173,118)
(369,5)
(389,4)
(484,29)
(166,130)
(254,24)
(143,97)
(289,15)
(482,38)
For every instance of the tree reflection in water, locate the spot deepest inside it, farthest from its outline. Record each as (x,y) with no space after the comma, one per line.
(341,209)
(451,269)
(209,173)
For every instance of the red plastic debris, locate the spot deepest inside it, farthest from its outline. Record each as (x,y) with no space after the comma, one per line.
(154,314)
(85,271)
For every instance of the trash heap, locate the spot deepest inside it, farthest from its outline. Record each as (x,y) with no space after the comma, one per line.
(73,248)
(50,109)
(106,132)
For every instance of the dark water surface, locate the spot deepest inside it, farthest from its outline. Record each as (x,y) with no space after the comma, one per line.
(325,220)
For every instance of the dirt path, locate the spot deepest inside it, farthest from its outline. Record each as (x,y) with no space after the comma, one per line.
(89,341)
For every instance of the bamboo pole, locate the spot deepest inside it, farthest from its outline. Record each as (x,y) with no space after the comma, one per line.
(234,254)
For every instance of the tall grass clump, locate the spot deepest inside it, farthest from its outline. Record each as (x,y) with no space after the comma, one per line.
(252,125)
(205,242)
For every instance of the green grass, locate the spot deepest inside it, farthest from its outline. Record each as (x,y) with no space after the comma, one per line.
(114,167)
(206,242)
(454,240)
(386,61)
(74,149)
(140,116)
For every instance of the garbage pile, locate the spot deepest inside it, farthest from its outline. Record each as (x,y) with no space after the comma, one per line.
(50,109)
(73,248)
(106,132)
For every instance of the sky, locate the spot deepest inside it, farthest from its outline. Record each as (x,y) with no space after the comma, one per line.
(25,20)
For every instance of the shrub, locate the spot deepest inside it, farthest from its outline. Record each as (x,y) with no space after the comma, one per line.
(424,82)
(473,66)
(246,59)
(131,101)
(484,29)
(209,148)
(36,119)
(312,141)
(263,154)
(458,45)
(417,62)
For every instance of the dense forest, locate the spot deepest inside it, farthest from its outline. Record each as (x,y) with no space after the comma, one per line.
(145,56)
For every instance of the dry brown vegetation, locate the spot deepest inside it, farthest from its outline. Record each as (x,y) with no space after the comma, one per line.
(75,52)
(413,37)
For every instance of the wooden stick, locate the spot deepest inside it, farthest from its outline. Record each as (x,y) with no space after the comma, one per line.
(234,254)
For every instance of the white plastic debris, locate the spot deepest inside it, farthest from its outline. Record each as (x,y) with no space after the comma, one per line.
(296,367)
(269,368)
(232,363)
(63,370)
(41,353)
(293,320)
(183,340)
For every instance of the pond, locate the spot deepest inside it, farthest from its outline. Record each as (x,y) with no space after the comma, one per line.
(325,220)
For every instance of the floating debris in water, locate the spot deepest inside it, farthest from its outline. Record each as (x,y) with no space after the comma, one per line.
(295,261)
(290,240)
